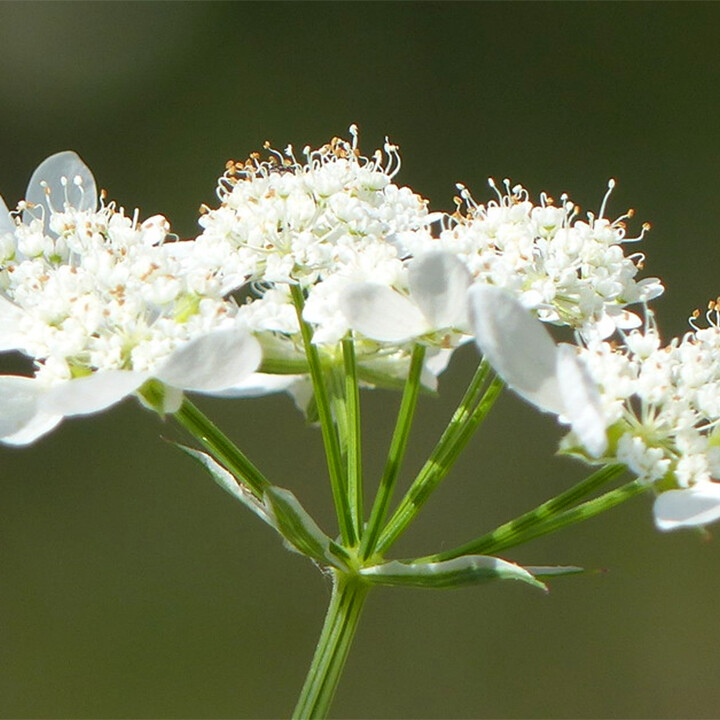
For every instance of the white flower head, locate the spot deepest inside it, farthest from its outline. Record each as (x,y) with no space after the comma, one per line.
(99,301)
(651,407)
(286,220)
(567,270)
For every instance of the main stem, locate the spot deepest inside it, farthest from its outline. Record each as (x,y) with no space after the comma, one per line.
(341,621)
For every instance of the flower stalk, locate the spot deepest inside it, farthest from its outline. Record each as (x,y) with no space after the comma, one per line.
(472,410)
(341,622)
(354,431)
(396,454)
(328,427)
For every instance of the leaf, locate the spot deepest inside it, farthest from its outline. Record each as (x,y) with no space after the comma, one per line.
(465,570)
(229,484)
(281,510)
(294,523)
(541,571)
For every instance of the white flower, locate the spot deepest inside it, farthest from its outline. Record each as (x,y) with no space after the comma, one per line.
(282,220)
(101,303)
(663,402)
(698,505)
(522,352)
(568,271)
(432,299)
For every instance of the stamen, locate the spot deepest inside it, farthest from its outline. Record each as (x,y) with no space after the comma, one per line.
(611,186)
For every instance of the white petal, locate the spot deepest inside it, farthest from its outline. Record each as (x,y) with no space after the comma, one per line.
(517,345)
(437,361)
(698,505)
(10,317)
(6,222)
(258,384)
(92,393)
(302,393)
(212,362)
(581,400)
(47,180)
(19,403)
(40,425)
(603,328)
(438,284)
(10,313)
(381,313)
(627,320)
(172,399)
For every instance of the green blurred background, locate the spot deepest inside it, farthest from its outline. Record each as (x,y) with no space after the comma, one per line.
(133,587)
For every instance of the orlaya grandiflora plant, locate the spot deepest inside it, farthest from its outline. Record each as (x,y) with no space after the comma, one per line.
(352,283)
(102,305)
(671,443)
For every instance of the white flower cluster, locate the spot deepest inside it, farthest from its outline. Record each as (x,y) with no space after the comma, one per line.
(654,408)
(567,270)
(661,405)
(330,225)
(101,303)
(370,258)
(281,220)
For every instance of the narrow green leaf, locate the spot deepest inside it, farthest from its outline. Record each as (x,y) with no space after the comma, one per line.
(228,483)
(542,571)
(220,446)
(467,570)
(281,510)
(299,529)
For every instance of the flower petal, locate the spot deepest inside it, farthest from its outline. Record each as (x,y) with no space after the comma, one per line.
(54,183)
(41,424)
(92,393)
(212,362)
(698,505)
(10,317)
(517,345)
(258,384)
(20,403)
(581,400)
(438,284)
(380,313)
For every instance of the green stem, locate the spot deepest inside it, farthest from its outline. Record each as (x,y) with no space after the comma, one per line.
(519,525)
(508,535)
(329,433)
(465,421)
(354,446)
(341,621)
(584,511)
(220,447)
(335,380)
(396,454)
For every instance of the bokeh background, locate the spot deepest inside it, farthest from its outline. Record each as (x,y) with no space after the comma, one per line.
(132,587)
